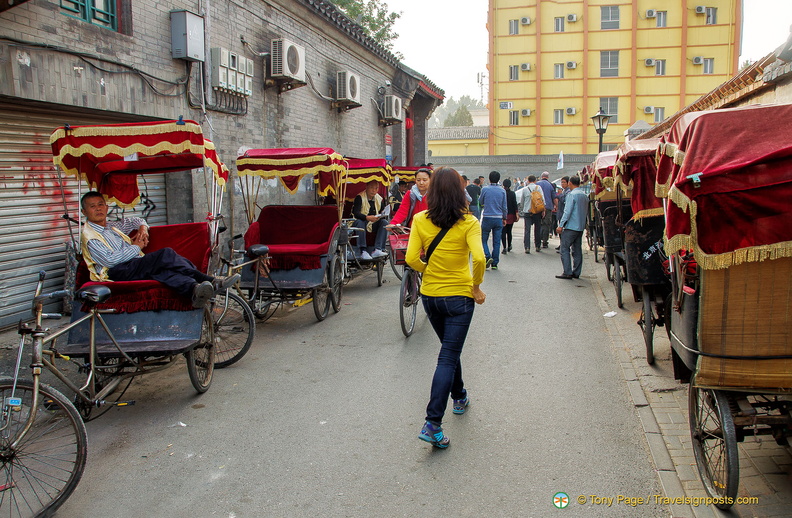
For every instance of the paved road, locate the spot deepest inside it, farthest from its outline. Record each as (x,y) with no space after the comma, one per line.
(321,419)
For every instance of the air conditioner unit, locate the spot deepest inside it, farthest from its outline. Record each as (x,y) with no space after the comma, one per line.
(571,64)
(571,111)
(571,17)
(525,67)
(393,108)
(651,13)
(698,60)
(649,62)
(700,9)
(347,86)
(526,112)
(648,110)
(525,20)
(288,60)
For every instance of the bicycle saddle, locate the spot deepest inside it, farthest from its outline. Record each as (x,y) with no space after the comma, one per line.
(93,294)
(258,250)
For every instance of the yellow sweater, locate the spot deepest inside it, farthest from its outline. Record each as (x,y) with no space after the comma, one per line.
(448,272)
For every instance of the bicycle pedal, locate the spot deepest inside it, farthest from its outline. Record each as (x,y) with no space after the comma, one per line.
(118,403)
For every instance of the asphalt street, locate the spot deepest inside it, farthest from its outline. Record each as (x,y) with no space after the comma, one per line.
(322,418)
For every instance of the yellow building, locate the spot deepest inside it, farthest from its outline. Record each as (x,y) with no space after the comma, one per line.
(554,63)
(458,141)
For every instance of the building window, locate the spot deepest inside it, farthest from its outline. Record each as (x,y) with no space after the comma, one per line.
(514,72)
(514,117)
(709,65)
(514,27)
(659,114)
(558,70)
(662,18)
(98,12)
(610,105)
(660,67)
(609,63)
(558,116)
(559,24)
(712,15)
(610,17)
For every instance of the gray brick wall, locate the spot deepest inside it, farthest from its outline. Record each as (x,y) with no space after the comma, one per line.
(298,118)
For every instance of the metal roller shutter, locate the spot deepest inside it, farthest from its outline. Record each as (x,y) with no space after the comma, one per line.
(33,233)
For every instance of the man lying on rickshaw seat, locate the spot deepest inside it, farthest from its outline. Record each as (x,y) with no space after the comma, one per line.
(111,255)
(367,211)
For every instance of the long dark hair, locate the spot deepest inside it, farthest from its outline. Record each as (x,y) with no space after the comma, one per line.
(447,202)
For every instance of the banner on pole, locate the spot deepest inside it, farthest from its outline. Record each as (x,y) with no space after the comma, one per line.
(560,161)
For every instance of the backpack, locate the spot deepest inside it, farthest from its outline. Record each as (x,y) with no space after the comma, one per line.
(537,201)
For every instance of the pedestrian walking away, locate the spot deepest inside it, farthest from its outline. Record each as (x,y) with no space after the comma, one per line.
(511,217)
(550,201)
(531,212)
(493,218)
(474,191)
(570,228)
(442,242)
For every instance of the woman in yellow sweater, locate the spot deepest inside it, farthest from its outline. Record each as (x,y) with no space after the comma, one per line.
(449,290)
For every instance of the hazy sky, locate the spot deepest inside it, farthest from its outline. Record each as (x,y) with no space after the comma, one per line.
(447,40)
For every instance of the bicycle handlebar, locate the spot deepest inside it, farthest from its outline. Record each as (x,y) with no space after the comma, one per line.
(53,295)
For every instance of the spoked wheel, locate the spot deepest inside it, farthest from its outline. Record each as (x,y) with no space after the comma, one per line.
(647,322)
(589,240)
(201,358)
(609,266)
(42,470)
(380,266)
(617,282)
(234,328)
(322,296)
(714,444)
(408,301)
(667,315)
(596,249)
(398,269)
(337,282)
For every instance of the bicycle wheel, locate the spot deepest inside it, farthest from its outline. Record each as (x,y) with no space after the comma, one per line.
(609,266)
(714,444)
(596,248)
(408,302)
(380,266)
(617,282)
(40,472)
(234,328)
(201,358)
(647,322)
(336,283)
(398,269)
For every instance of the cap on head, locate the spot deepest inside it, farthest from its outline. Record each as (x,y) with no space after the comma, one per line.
(545,175)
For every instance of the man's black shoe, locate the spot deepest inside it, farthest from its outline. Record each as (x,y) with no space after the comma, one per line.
(564,276)
(576,276)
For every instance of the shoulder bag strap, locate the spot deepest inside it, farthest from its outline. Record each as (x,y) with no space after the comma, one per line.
(439,237)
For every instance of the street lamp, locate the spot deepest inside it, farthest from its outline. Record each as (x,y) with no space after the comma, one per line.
(600,121)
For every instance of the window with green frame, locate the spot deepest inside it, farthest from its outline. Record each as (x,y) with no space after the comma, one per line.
(98,12)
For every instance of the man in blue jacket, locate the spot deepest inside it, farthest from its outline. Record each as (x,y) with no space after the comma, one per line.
(570,228)
(493,217)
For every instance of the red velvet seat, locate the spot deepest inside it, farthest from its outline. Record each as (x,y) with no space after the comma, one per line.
(190,240)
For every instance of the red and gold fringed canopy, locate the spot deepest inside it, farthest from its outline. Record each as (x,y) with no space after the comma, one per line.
(361,171)
(289,165)
(635,172)
(602,175)
(405,173)
(728,177)
(109,157)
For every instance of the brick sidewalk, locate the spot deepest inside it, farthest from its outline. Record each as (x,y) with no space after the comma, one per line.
(662,405)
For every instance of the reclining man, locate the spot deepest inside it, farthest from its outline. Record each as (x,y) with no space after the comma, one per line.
(111,254)
(367,211)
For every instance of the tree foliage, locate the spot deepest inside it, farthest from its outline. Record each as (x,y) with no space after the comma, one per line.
(461,117)
(450,107)
(374,16)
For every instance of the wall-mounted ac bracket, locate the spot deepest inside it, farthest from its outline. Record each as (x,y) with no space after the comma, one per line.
(344,105)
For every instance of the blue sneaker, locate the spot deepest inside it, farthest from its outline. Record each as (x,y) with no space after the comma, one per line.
(460,405)
(433,434)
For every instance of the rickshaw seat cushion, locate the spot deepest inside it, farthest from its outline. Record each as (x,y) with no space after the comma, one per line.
(258,250)
(93,294)
(190,240)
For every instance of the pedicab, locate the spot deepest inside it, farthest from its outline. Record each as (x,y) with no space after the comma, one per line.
(359,173)
(635,173)
(118,330)
(612,210)
(292,253)
(726,176)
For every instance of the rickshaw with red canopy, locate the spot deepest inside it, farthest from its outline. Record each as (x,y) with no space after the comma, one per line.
(635,174)
(360,172)
(726,179)
(118,330)
(292,253)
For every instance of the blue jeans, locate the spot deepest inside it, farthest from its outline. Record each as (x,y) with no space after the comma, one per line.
(476,210)
(571,240)
(450,317)
(496,226)
(379,230)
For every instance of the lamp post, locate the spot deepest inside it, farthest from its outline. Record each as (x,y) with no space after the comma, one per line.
(600,121)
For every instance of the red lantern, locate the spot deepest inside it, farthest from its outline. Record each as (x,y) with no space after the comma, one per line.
(408,123)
